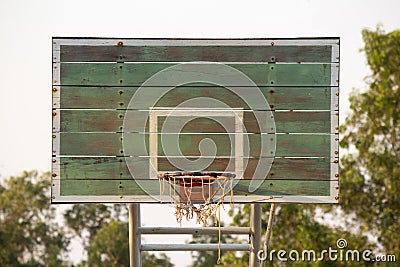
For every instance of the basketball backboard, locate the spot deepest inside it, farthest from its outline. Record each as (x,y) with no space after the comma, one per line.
(125,110)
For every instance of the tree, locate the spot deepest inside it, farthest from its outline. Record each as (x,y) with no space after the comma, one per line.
(110,246)
(151,260)
(29,235)
(296,227)
(85,220)
(370,173)
(103,230)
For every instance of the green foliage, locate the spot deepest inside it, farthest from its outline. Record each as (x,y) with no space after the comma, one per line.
(110,246)
(87,219)
(296,228)
(29,235)
(106,238)
(151,260)
(370,174)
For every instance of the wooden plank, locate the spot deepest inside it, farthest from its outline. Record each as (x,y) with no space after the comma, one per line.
(281,98)
(110,144)
(289,53)
(152,187)
(115,74)
(82,144)
(113,121)
(89,168)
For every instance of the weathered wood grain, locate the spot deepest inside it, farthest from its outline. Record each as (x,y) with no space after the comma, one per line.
(115,74)
(280,98)
(113,121)
(87,53)
(89,168)
(152,187)
(110,144)
(99,116)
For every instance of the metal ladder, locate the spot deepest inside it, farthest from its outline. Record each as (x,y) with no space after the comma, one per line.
(136,231)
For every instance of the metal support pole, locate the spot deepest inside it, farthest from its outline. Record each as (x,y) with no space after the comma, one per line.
(134,235)
(255,225)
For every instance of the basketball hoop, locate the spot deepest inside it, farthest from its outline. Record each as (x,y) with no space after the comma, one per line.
(207,189)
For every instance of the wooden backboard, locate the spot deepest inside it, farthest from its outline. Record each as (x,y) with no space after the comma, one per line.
(125,110)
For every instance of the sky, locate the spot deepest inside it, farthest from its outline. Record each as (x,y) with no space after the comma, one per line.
(26,28)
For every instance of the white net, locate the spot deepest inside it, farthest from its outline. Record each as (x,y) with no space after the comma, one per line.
(196,194)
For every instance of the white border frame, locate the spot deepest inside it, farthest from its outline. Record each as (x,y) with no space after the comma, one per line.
(195,112)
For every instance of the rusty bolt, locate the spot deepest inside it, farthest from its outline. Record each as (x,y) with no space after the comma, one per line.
(272,43)
(271,184)
(54,136)
(121,92)
(120,81)
(271,106)
(337,198)
(54,174)
(53,197)
(54,89)
(54,161)
(121,103)
(337,187)
(271,139)
(120,43)
(121,196)
(337,81)
(336,152)
(337,128)
(337,94)
(54,113)
(271,91)
(336,139)
(271,174)
(336,161)
(336,175)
